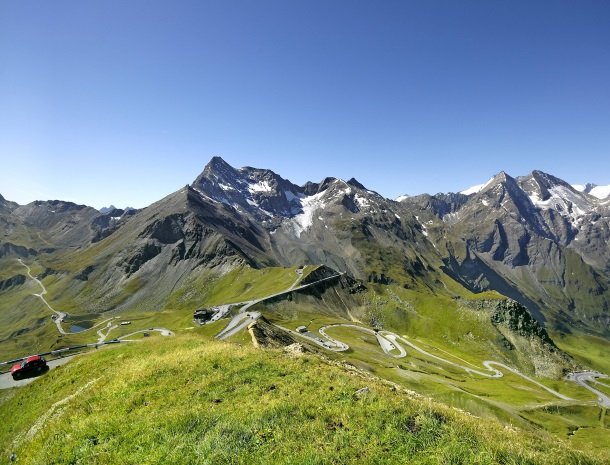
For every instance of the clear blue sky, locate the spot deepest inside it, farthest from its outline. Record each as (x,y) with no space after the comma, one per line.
(125,101)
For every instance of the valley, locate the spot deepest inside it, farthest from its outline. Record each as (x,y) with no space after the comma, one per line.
(490,302)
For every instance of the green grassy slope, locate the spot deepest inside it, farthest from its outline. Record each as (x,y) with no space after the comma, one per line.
(26,326)
(443,326)
(189,400)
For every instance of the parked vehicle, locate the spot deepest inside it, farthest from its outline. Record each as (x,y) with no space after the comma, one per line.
(32,365)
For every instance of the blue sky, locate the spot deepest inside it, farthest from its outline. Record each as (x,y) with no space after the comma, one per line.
(124,102)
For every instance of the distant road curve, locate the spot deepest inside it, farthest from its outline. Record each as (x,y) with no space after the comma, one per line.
(163,331)
(581,379)
(395,341)
(389,342)
(6,380)
(58,316)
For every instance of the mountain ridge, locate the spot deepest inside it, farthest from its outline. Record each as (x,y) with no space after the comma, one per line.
(533,238)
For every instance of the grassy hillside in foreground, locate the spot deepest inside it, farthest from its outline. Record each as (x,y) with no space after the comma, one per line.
(190,400)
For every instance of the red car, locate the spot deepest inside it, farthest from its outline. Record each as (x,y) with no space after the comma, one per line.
(33,365)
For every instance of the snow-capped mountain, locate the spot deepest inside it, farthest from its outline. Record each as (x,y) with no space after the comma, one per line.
(601,192)
(476,188)
(534,238)
(259,192)
(273,200)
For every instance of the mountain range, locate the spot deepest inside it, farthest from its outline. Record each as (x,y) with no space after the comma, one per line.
(494,300)
(533,238)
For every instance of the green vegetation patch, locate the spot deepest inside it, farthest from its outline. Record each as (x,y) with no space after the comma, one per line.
(190,400)
(238,285)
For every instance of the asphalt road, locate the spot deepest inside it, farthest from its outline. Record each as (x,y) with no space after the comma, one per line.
(6,380)
(240,321)
(163,331)
(237,323)
(390,342)
(58,317)
(581,379)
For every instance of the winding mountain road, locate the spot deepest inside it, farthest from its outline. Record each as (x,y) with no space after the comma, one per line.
(581,379)
(390,342)
(240,321)
(58,317)
(162,331)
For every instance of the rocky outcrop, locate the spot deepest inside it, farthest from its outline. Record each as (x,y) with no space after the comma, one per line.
(84,274)
(525,337)
(11,250)
(11,282)
(144,253)
(516,318)
(268,335)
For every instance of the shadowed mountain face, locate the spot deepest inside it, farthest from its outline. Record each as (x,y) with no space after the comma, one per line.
(533,238)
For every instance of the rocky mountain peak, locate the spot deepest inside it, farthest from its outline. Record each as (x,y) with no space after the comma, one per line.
(105,210)
(3,203)
(217,169)
(501,185)
(501,178)
(541,185)
(354,182)
(260,192)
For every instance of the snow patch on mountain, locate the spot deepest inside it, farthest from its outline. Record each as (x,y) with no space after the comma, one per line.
(261,186)
(310,204)
(401,198)
(204,196)
(362,201)
(566,202)
(226,187)
(477,188)
(291,197)
(601,192)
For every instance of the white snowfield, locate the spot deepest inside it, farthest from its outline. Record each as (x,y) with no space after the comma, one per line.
(567,202)
(310,204)
(261,186)
(601,192)
(477,188)
(362,201)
